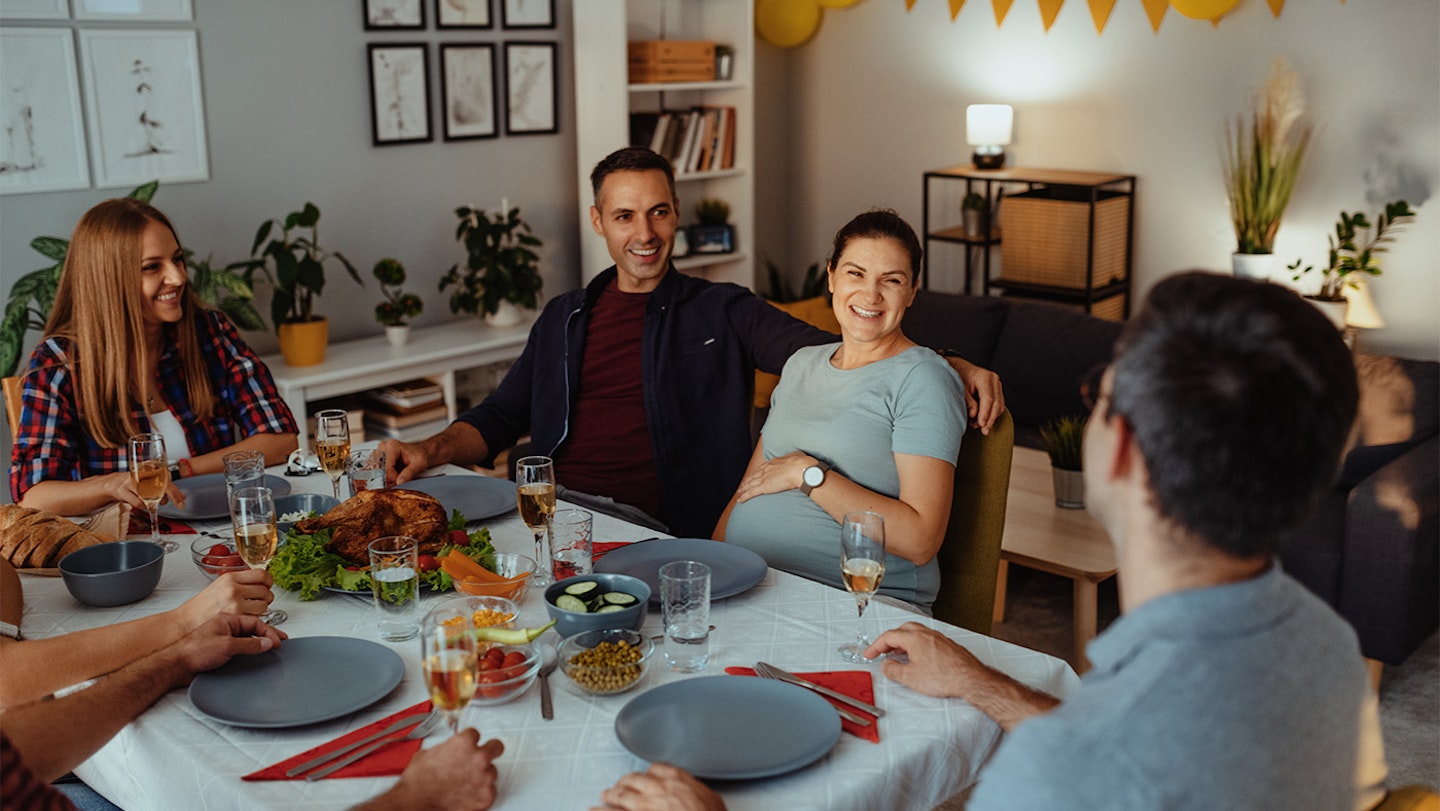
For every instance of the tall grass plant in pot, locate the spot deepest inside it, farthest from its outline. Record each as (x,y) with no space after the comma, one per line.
(1064,439)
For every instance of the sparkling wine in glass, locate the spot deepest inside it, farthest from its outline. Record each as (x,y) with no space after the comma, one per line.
(535,477)
(448,657)
(151,472)
(252,516)
(332,444)
(862,565)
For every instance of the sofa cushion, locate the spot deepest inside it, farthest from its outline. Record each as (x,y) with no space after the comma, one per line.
(969,325)
(1042,357)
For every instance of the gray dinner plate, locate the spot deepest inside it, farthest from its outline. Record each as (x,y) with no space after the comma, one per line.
(729,727)
(304,681)
(205,496)
(733,569)
(476,497)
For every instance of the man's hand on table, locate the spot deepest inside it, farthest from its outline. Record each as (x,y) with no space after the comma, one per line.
(216,641)
(458,774)
(660,788)
(403,460)
(247,592)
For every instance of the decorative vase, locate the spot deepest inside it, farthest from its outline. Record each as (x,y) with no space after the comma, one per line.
(1069,488)
(302,343)
(1333,310)
(397,336)
(971,219)
(1257,266)
(505,315)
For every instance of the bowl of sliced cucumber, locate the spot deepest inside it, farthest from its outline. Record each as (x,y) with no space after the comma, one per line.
(591,602)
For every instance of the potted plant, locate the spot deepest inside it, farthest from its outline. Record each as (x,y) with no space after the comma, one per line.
(500,273)
(398,307)
(1063,439)
(1353,249)
(973,215)
(713,232)
(295,267)
(1261,162)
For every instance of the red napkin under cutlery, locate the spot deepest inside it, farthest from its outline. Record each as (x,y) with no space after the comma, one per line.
(140,525)
(853,683)
(387,761)
(599,548)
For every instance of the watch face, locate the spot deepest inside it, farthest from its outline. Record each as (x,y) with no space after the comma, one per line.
(814,476)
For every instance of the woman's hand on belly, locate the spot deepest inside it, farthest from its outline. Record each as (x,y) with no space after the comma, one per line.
(774,475)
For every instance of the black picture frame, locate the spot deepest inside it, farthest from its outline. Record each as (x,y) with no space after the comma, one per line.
(399,93)
(527,13)
(474,14)
(532,103)
(394,15)
(470,105)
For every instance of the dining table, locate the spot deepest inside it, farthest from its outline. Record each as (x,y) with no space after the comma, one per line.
(174,756)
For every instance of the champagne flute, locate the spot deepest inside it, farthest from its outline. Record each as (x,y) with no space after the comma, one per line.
(252,515)
(151,472)
(449,659)
(535,478)
(332,444)
(862,563)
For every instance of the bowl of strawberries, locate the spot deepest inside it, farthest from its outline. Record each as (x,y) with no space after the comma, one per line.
(214,557)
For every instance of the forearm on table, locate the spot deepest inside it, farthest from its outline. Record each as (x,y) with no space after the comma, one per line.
(276,447)
(1004,699)
(34,668)
(70,497)
(460,443)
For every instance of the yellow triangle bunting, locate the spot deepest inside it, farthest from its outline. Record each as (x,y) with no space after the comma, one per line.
(1048,10)
(1100,13)
(1275,6)
(1002,7)
(1155,10)
(955,6)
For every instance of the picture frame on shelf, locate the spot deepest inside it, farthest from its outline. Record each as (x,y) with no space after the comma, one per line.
(712,239)
(531,93)
(146,106)
(399,93)
(394,15)
(41,112)
(134,10)
(527,13)
(467,89)
(473,14)
(34,10)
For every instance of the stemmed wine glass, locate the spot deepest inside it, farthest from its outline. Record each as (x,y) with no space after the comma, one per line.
(332,444)
(449,658)
(535,477)
(862,563)
(252,516)
(151,472)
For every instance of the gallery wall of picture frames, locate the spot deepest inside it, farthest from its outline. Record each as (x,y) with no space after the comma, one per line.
(473,75)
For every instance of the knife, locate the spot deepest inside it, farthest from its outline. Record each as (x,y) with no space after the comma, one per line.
(824,691)
(409,720)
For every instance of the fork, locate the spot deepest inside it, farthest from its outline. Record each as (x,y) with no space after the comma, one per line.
(765,672)
(419,731)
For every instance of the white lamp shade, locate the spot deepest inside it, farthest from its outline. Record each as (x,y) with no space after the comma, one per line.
(989,124)
(1362,312)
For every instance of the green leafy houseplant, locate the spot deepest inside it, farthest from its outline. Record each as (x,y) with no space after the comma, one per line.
(712,211)
(1349,256)
(398,306)
(1063,439)
(811,285)
(1262,160)
(294,265)
(499,263)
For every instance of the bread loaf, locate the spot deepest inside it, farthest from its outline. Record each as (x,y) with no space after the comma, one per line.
(38,539)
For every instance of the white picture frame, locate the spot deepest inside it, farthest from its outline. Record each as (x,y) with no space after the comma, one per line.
(34,10)
(146,106)
(42,125)
(134,10)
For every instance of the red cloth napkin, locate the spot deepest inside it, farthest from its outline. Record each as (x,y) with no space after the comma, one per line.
(853,683)
(387,761)
(599,548)
(140,525)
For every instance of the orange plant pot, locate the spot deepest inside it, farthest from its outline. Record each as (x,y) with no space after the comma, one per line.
(303,343)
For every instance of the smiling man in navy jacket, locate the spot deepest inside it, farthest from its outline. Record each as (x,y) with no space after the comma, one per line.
(639,384)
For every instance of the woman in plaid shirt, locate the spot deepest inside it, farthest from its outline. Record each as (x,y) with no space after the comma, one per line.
(130,349)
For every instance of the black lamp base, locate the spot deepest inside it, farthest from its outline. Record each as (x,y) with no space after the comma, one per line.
(987,159)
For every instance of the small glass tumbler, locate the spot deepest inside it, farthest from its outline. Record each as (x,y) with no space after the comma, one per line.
(242,469)
(367,470)
(395,583)
(685,611)
(570,543)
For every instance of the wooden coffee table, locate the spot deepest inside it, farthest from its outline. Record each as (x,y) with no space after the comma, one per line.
(1070,543)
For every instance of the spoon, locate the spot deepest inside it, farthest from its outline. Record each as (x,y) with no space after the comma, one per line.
(547,711)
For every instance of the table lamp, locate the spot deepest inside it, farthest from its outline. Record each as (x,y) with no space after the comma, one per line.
(988,129)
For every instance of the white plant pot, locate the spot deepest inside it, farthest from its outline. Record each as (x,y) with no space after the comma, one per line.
(1336,311)
(1257,266)
(505,315)
(397,336)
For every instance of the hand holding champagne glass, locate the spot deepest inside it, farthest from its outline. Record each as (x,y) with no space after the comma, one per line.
(332,444)
(252,515)
(449,659)
(151,472)
(862,564)
(535,477)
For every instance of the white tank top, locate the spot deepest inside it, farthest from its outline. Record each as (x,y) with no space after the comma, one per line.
(165,424)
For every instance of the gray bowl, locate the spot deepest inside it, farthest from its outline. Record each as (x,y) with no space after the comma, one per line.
(113,573)
(302,502)
(569,623)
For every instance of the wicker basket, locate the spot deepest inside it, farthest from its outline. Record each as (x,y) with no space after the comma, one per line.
(1110,309)
(1046,236)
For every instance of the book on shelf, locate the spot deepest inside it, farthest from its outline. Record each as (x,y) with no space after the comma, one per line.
(698,139)
(409,394)
(409,433)
(388,418)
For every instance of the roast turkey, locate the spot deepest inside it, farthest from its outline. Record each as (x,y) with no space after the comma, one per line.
(371,514)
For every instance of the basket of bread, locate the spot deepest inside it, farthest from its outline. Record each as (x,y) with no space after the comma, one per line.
(34,541)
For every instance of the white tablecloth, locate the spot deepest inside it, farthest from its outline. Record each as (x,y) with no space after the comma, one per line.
(171,757)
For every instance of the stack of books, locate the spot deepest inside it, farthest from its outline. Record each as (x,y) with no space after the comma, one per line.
(701,139)
(408,411)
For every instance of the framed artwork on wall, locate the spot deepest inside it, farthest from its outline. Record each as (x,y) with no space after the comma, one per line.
(394,15)
(34,10)
(527,13)
(138,10)
(147,110)
(399,93)
(463,14)
(531,106)
(42,128)
(467,84)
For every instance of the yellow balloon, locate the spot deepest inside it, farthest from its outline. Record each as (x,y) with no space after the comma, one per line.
(787,23)
(837,3)
(1204,9)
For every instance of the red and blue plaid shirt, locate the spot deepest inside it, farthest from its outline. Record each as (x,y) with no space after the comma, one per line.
(52,444)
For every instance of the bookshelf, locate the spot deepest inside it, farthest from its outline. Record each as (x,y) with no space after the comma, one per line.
(604,100)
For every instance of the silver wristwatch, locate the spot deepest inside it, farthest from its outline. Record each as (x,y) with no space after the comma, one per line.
(813,477)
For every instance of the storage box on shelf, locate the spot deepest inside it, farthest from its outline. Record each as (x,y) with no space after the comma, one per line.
(668,60)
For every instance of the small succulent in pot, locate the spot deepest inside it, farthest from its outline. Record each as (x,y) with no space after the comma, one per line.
(1063,439)
(398,307)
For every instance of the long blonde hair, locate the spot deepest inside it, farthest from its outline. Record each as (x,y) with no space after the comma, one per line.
(99,313)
